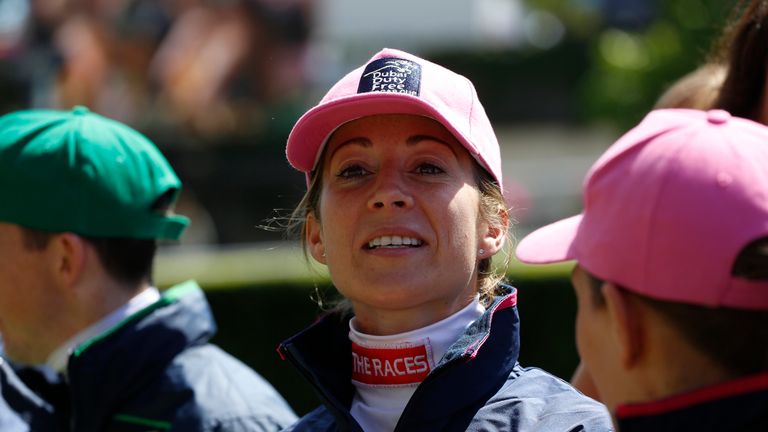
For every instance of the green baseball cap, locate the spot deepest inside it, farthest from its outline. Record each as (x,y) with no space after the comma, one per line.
(76,171)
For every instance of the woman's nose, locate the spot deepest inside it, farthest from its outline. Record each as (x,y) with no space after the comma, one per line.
(390,192)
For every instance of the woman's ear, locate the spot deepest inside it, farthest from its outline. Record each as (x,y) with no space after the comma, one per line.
(626,324)
(494,235)
(314,233)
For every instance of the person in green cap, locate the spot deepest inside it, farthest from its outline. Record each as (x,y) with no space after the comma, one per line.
(84,200)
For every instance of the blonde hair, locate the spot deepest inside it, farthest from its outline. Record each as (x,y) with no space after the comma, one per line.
(697,90)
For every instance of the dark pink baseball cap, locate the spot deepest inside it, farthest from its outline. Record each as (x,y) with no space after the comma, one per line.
(668,208)
(396,82)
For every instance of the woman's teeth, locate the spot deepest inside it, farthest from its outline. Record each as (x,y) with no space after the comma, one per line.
(393,242)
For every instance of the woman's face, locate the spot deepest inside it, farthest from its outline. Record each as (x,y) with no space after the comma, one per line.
(399,223)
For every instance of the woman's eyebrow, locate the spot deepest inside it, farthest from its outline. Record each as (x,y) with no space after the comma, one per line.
(362,141)
(415,139)
(359,141)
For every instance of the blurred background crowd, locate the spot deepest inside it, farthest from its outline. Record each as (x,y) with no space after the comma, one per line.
(217,84)
(208,68)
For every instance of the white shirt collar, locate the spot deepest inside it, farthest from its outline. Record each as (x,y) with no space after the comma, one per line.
(60,357)
(379,407)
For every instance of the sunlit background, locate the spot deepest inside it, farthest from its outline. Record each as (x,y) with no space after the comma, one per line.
(217,85)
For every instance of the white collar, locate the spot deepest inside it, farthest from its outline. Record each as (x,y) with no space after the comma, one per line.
(440,335)
(378,407)
(59,358)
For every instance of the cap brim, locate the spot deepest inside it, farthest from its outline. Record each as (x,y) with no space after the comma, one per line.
(313,128)
(550,244)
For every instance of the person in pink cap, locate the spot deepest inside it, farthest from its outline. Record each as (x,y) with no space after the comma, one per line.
(671,273)
(405,207)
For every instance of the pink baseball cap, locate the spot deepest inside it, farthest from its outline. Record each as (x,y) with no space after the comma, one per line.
(668,208)
(396,82)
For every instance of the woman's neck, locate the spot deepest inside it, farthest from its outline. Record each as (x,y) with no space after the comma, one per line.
(378,321)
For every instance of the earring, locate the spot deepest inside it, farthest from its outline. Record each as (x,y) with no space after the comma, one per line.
(481,252)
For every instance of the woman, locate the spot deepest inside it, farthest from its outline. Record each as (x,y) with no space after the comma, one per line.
(404,206)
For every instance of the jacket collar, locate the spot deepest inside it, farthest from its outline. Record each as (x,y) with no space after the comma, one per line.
(478,363)
(733,405)
(125,358)
(57,361)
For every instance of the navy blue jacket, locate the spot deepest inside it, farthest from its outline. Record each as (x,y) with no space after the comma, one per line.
(157,371)
(735,406)
(477,385)
(22,410)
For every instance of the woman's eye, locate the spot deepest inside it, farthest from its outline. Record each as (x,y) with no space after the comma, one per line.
(352,171)
(428,168)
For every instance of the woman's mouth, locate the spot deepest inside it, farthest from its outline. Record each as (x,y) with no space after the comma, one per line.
(394,241)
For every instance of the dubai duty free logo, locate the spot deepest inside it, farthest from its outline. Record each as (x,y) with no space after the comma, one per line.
(391,75)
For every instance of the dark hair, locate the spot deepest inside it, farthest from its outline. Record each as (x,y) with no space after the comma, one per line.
(743,47)
(127,260)
(736,339)
(752,262)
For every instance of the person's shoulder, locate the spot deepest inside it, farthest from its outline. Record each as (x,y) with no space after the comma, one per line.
(318,420)
(535,383)
(541,401)
(227,391)
(205,359)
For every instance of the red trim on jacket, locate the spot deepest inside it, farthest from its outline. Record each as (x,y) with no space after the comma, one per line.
(738,386)
(508,302)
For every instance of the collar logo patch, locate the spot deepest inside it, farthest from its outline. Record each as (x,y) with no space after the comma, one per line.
(389,366)
(391,75)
